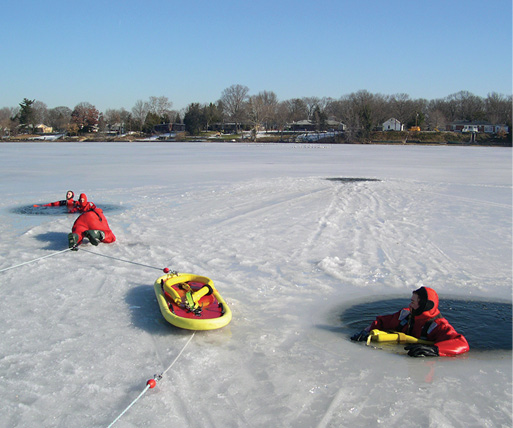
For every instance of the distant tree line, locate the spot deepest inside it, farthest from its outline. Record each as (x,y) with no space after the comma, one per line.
(361,112)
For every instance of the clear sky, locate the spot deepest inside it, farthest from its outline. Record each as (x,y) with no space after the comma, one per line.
(113,53)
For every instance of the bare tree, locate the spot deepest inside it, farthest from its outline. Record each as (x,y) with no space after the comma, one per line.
(466,106)
(40,112)
(59,118)
(234,101)
(261,109)
(117,119)
(401,107)
(436,120)
(139,112)
(161,106)
(281,116)
(311,103)
(297,110)
(7,120)
(498,108)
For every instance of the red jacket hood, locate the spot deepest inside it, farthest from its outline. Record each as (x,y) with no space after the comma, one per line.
(431,308)
(80,203)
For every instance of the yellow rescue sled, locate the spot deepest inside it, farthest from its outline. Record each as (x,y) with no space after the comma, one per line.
(191,302)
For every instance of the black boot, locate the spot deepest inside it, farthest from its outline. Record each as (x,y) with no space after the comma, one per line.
(94,236)
(72,240)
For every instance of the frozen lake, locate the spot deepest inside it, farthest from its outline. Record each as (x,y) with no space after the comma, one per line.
(295,237)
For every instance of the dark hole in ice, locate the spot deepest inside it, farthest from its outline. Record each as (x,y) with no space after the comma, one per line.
(351,179)
(60,210)
(486,325)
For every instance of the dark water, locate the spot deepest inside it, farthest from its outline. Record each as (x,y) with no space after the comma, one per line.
(52,211)
(486,325)
(350,179)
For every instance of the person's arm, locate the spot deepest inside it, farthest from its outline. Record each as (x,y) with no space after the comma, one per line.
(448,341)
(382,322)
(54,204)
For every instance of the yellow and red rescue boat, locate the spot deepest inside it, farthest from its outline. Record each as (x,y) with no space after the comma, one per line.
(191,302)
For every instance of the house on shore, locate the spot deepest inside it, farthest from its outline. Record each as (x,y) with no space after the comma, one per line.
(476,126)
(309,125)
(43,129)
(166,128)
(393,124)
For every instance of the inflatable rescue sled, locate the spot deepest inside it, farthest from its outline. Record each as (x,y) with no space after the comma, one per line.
(191,302)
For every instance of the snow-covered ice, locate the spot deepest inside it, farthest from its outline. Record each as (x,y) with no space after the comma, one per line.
(288,249)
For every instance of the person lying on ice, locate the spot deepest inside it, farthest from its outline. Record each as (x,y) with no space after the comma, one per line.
(422,320)
(92,225)
(69,202)
(82,205)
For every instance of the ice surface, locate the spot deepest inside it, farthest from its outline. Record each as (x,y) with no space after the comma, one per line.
(288,247)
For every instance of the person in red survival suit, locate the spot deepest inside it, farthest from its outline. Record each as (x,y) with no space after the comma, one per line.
(422,320)
(69,202)
(91,224)
(82,205)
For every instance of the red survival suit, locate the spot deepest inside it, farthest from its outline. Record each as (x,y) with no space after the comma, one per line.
(69,202)
(81,205)
(92,219)
(428,325)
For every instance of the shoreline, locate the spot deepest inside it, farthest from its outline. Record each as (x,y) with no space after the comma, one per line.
(423,138)
(310,143)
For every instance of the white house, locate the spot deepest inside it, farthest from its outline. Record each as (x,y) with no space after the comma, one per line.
(393,125)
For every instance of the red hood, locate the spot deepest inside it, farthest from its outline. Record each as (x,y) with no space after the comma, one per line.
(80,203)
(431,310)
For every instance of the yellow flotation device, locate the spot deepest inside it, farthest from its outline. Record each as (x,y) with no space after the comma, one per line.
(394,336)
(191,297)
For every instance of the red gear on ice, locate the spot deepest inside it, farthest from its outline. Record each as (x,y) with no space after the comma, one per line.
(82,205)
(69,202)
(425,323)
(93,220)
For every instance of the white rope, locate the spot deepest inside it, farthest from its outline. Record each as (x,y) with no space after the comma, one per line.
(131,404)
(39,258)
(121,260)
(149,385)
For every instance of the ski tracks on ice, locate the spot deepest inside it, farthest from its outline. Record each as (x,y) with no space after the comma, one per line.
(373,233)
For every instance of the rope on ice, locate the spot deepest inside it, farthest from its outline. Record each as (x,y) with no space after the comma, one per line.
(166,270)
(39,258)
(152,382)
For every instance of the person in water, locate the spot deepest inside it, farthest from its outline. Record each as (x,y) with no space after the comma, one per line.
(422,320)
(91,224)
(68,202)
(82,205)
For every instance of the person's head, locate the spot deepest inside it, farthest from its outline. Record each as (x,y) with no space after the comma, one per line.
(82,200)
(423,300)
(69,195)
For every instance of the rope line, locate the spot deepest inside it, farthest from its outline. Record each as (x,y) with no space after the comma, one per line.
(152,382)
(34,260)
(131,404)
(121,260)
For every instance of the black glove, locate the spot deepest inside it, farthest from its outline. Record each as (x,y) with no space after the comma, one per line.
(361,336)
(419,350)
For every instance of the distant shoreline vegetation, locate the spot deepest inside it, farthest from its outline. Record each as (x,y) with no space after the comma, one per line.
(376,138)
(360,117)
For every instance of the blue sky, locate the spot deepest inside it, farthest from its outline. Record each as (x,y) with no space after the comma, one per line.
(113,53)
